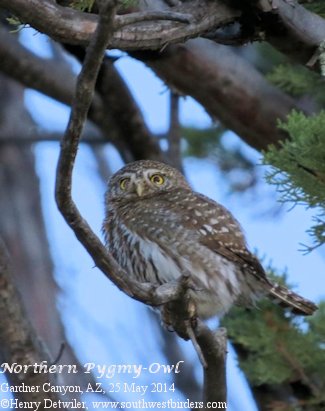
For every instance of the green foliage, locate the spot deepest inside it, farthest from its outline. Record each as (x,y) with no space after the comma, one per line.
(298,81)
(125,4)
(276,349)
(83,5)
(298,167)
(15,23)
(316,6)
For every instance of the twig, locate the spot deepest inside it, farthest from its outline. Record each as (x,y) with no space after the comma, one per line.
(23,140)
(59,354)
(174,132)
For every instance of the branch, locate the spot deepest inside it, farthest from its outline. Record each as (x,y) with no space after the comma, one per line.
(19,343)
(286,25)
(292,29)
(58,82)
(211,347)
(231,90)
(39,137)
(117,97)
(146,293)
(74,27)
(137,140)
(214,347)
(174,132)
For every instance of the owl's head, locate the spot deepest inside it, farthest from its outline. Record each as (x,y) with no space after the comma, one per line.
(142,179)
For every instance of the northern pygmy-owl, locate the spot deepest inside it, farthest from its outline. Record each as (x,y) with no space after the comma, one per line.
(158,228)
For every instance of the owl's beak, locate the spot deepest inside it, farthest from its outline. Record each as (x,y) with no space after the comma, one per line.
(139,188)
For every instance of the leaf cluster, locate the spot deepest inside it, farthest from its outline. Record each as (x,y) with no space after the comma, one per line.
(298,82)
(83,5)
(276,349)
(298,167)
(316,6)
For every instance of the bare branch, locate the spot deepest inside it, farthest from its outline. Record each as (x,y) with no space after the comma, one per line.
(73,27)
(41,137)
(231,90)
(57,81)
(293,30)
(214,346)
(174,132)
(124,109)
(138,142)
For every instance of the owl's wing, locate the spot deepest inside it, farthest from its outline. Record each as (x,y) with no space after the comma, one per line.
(222,234)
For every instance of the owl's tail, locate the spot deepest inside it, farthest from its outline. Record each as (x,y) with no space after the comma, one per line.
(288,299)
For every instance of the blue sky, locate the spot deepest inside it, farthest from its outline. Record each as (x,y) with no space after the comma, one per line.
(94,311)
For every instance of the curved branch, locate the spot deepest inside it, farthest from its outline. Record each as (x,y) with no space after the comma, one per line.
(74,27)
(146,293)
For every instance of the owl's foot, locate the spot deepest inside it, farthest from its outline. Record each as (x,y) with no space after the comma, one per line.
(176,316)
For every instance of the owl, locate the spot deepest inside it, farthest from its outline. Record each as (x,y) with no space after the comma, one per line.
(159,229)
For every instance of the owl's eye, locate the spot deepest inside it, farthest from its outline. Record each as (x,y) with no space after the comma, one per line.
(124,183)
(157,179)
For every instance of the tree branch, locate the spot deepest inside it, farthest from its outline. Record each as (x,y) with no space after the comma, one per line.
(58,82)
(174,132)
(214,347)
(286,25)
(19,343)
(292,29)
(117,97)
(74,27)
(232,91)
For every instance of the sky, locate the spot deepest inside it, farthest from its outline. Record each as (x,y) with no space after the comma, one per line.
(98,318)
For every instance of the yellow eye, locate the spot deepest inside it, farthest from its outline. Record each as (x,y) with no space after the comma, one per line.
(124,183)
(157,179)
